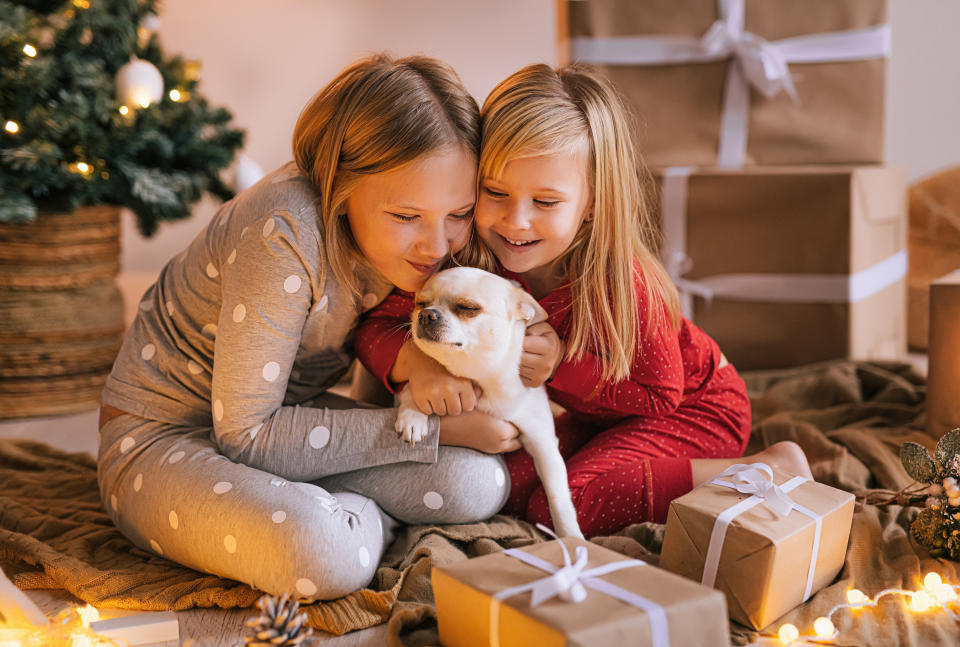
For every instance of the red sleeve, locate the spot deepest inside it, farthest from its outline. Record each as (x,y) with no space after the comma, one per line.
(656,381)
(381,333)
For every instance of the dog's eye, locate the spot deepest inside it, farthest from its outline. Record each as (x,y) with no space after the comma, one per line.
(420,304)
(466,309)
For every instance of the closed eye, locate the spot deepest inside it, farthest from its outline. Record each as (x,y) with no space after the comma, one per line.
(547,203)
(493,193)
(467,309)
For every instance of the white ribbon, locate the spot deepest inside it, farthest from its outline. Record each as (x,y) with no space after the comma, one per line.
(777,288)
(749,479)
(571,581)
(757,62)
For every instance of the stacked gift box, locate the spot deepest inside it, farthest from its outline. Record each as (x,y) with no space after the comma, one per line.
(763,124)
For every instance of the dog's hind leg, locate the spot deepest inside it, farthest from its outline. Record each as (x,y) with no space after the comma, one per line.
(553,474)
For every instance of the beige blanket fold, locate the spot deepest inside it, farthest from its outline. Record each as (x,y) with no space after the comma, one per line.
(850,418)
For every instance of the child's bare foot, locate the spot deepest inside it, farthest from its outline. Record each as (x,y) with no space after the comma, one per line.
(785,455)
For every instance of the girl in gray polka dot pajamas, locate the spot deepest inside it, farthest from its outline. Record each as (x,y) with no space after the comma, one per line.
(220,447)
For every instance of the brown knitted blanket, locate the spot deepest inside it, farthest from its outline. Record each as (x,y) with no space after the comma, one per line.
(850,418)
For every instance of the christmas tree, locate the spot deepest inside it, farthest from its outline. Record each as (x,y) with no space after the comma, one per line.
(91,112)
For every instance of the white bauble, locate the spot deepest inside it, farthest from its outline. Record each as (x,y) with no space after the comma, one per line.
(139,84)
(248,173)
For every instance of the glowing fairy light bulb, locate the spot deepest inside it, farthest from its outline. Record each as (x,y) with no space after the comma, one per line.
(823,627)
(124,110)
(931,581)
(29,50)
(175,95)
(88,614)
(142,98)
(944,593)
(920,601)
(856,596)
(788,633)
(12,127)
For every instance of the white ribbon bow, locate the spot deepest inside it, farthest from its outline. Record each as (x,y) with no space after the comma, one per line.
(757,479)
(762,63)
(570,583)
(759,62)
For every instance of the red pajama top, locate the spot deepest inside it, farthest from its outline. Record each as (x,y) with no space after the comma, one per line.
(670,368)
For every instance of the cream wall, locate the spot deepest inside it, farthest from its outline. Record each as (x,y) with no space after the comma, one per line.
(264,59)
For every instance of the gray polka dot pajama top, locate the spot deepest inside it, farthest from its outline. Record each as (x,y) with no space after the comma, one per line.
(234,460)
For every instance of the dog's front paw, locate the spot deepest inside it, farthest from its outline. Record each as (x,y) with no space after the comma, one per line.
(412,425)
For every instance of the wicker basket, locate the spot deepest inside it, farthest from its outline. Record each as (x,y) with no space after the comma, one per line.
(61,313)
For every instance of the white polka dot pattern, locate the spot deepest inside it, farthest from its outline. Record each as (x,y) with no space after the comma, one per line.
(279,516)
(364,556)
(292,283)
(156,547)
(230,543)
(138,482)
(148,351)
(174,520)
(239,313)
(126,444)
(268,227)
(170,308)
(218,410)
(222,487)
(319,437)
(305,587)
(369,300)
(194,368)
(433,500)
(209,331)
(271,371)
(176,457)
(212,271)
(232,257)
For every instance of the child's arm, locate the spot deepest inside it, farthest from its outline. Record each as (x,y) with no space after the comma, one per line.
(383,345)
(542,351)
(654,386)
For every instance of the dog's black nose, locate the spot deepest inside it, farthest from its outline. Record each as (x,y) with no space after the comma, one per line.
(429,317)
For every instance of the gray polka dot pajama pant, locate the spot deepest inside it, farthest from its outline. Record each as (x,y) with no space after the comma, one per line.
(170,490)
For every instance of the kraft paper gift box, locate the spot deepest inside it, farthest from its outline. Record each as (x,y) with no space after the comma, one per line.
(943,374)
(697,74)
(487,601)
(790,265)
(766,561)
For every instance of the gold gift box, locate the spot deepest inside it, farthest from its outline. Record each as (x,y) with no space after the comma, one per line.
(466,608)
(837,119)
(765,558)
(806,223)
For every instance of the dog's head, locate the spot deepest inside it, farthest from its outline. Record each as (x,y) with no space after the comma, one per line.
(470,320)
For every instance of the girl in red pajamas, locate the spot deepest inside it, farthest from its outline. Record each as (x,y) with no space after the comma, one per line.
(653,408)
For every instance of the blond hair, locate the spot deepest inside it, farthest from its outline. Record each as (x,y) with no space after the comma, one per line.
(377,115)
(542,111)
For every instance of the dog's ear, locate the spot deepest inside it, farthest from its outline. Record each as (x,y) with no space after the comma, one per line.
(529,310)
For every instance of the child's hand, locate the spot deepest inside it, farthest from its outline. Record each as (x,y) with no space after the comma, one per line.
(542,352)
(432,387)
(479,431)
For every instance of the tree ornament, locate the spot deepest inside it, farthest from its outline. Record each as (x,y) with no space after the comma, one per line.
(937,526)
(139,83)
(280,624)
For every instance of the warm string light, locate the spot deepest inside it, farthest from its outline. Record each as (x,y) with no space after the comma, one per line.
(175,95)
(935,594)
(12,127)
(29,50)
(124,110)
(71,628)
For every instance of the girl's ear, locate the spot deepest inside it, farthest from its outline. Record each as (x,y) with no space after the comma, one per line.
(528,309)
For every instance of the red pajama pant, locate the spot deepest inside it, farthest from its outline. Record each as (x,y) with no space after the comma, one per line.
(630,471)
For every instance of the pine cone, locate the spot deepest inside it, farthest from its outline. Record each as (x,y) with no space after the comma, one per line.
(281,624)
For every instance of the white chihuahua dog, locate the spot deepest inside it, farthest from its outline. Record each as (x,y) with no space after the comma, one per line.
(473,323)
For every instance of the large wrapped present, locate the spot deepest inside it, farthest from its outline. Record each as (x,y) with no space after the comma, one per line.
(540,595)
(943,379)
(767,540)
(733,82)
(790,265)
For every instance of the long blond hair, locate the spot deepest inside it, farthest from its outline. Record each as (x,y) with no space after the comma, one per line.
(539,111)
(377,115)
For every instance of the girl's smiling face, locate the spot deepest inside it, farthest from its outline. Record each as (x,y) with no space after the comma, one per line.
(531,214)
(408,221)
